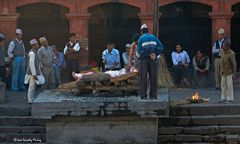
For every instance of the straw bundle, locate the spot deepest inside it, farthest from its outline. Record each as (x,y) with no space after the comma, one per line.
(164,78)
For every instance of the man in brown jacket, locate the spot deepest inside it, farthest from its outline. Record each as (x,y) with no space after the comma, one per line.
(228,69)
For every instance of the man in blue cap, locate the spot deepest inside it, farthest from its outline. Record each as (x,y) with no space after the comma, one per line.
(149,48)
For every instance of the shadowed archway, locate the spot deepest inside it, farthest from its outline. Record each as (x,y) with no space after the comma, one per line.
(188,24)
(111,22)
(44,19)
(235,32)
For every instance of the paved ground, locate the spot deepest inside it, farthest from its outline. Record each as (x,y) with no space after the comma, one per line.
(20,98)
(212,94)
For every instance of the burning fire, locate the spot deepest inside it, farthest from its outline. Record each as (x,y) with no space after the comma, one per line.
(196,97)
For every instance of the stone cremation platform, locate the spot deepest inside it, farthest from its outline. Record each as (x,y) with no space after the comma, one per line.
(102,118)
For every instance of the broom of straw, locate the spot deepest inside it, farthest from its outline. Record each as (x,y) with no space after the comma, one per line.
(164,78)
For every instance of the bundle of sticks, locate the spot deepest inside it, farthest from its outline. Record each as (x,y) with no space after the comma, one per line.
(164,78)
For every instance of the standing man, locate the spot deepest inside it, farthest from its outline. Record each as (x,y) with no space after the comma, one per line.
(216,51)
(71,52)
(45,56)
(149,47)
(228,70)
(16,51)
(2,59)
(111,58)
(33,69)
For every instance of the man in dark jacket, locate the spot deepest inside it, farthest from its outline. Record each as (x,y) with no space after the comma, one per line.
(149,48)
(201,66)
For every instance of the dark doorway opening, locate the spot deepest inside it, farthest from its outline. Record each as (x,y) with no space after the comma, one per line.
(235,32)
(44,19)
(186,23)
(114,22)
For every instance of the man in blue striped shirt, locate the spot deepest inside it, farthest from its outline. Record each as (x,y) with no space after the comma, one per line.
(149,48)
(111,58)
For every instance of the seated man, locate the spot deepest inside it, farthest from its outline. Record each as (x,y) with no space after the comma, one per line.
(125,55)
(181,62)
(111,58)
(201,65)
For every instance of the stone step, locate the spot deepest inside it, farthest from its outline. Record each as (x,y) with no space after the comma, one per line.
(21,121)
(22,138)
(198,139)
(205,109)
(200,120)
(15,110)
(200,130)
(23,129)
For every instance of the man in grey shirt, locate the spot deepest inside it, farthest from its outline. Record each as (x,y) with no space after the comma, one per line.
(16,51)
(46,55)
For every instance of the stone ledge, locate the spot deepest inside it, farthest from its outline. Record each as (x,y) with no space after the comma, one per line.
(54,103)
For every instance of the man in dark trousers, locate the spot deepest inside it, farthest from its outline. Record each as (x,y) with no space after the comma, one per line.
(71,52)
(216,51)
(149,48)
(2,59)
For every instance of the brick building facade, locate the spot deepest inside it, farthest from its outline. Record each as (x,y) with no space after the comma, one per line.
(82,16)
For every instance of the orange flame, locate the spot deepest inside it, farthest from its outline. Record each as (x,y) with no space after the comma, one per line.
(196,97)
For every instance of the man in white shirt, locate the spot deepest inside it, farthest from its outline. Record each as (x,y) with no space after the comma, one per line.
(71,52)
(216,51)
(33,69)
(180,60)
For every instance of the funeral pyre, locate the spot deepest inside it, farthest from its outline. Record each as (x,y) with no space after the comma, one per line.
(116,82)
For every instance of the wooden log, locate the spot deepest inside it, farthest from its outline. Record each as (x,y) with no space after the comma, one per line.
(99,76)
(107,88)
(69,85)
(81,83)
(98,84)
(116,83)
(124,77)
(123,83)
(128,88)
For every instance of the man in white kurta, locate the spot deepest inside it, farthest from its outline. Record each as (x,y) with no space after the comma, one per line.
(33,69)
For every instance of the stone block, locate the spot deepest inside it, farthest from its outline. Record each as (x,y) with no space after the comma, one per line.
(214,138)
(188,138)
(201,130)
(235,129)
(114,130)
(175,121)
(165,138)
(170,130)
(2,92)
(216,120)
(232,138)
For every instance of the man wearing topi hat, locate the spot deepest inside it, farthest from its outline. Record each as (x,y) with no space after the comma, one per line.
(33,69)
(16,51)
(46,57)
(149,48)
(216,51)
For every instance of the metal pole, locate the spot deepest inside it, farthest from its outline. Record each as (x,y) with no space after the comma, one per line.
(155,18)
